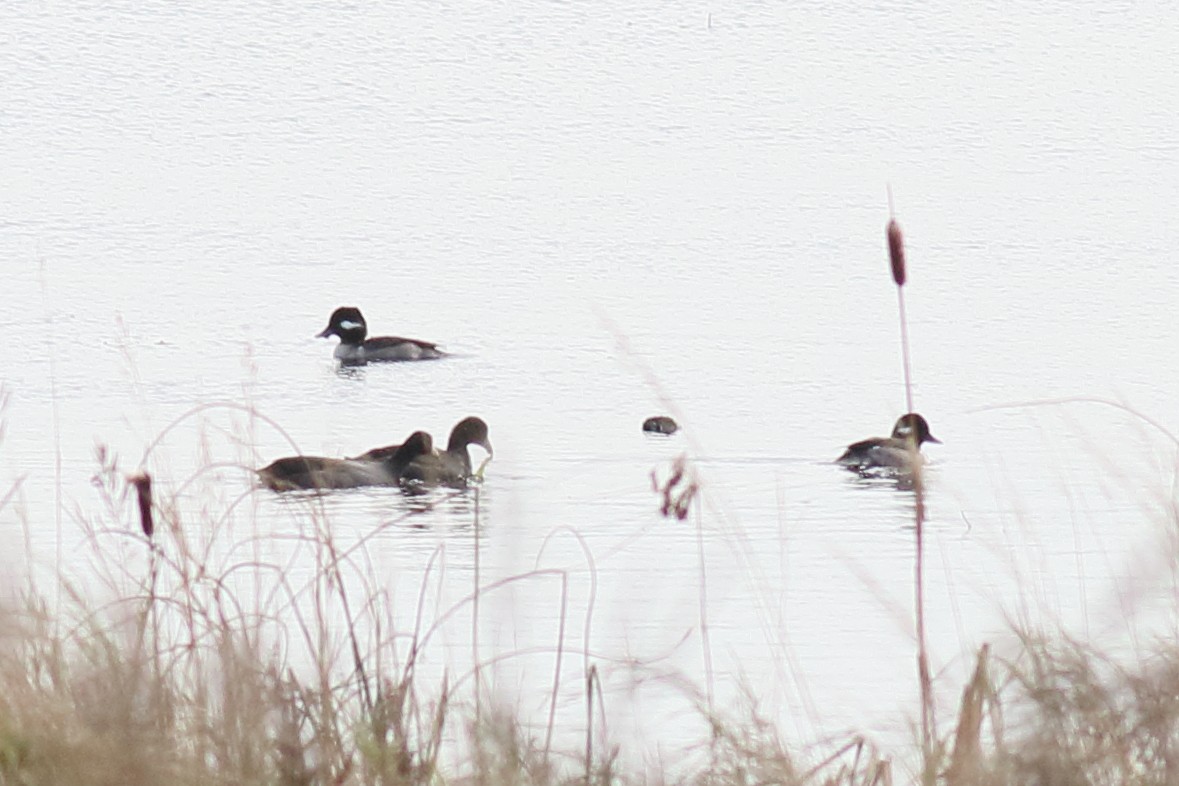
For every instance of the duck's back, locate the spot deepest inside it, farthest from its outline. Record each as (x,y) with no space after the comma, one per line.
(880,452)
(378,454)
(398,348)
(316,472)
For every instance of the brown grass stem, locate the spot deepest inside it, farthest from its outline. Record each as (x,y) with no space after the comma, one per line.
(702,601)
(354,644)
(538,649)
(905,362)
(215,405)
(461,603)
(438,554)
(592,567)
(562,621)
(589,611)
(590,677)
(924,674)
(475,596)
(13,490)
(856,744)
(593,686)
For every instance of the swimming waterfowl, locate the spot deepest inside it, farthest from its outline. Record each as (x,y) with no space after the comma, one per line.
(660,424)
(450,467)
(317,472)
(354,349)
(900,452)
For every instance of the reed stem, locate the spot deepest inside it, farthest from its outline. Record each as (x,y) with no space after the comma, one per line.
(589,724)
(702,601)
(475,595)
(896,258)
(923,672)
(905,349)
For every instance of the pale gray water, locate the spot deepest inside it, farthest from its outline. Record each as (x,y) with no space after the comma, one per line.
(575,198)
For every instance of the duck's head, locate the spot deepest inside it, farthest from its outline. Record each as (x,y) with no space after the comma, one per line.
(417,444)
(469,431)
(347,323)
(914,428)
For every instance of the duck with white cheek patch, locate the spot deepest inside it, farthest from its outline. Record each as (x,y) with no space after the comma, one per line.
(355,349)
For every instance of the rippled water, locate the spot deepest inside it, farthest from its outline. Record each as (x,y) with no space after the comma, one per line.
(605,212)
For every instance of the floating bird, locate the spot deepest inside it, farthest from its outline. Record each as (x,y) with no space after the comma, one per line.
(899,452)
(356,350)
(317,472)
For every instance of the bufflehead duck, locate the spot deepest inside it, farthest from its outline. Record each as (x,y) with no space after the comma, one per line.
(899,452)
(660,424)
(450,467)
(317,472)
(354,349)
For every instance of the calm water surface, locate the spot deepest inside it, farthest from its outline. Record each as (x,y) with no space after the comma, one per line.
(607,211)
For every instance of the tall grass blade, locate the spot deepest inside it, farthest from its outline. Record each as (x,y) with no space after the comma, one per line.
(967,753)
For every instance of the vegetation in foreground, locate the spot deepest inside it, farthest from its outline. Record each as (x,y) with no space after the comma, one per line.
(175,681)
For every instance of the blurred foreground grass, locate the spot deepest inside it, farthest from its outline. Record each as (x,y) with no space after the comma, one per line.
(177,678)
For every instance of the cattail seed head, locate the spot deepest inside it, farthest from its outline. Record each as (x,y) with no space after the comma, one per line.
(896,252)
(142,484)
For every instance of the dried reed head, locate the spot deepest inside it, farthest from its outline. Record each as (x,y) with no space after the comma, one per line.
(896,252)
(142,484)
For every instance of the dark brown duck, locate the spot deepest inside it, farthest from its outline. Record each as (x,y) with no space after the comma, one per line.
(317,472)
(450,467)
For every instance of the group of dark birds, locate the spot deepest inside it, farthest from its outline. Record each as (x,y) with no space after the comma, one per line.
(414,462)
(417,463)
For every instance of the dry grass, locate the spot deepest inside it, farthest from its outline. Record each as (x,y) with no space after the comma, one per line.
(173,678)
(1065,713)
(90,708)
(112,697)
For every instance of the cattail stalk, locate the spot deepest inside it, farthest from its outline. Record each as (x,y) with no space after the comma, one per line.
(896,258)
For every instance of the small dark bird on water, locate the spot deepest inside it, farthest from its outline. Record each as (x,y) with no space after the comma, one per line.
(660,424)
